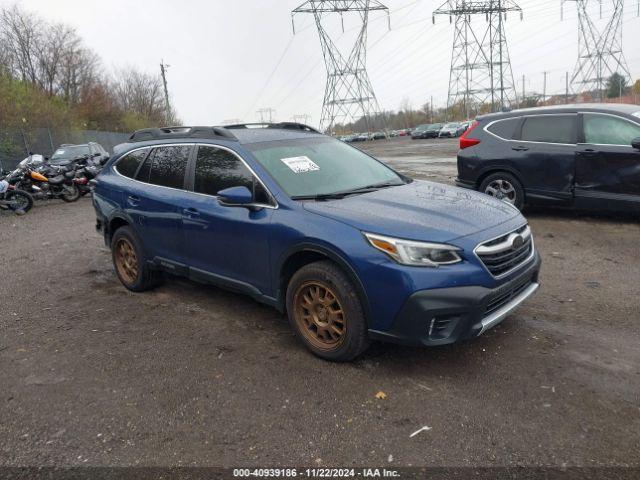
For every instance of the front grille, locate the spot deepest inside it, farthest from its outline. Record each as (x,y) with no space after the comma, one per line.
(506,297)
(505,253)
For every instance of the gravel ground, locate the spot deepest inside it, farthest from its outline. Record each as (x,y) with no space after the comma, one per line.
(192,375)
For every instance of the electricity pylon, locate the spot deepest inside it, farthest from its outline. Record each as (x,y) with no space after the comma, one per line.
(348,95)
(480,67)
(599,51)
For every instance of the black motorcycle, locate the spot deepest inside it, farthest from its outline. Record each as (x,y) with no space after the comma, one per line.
(45,181)
(87,168)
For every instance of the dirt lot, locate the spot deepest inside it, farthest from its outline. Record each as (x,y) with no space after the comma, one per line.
(191,375)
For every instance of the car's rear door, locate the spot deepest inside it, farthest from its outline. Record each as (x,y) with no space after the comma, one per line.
(544,151)
(607,166)
(227,244)
(154,202)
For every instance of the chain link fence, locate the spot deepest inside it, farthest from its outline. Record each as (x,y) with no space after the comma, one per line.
(15,144)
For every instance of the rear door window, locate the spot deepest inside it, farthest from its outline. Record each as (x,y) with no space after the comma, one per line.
(128,165)
(169,165)
(608,130)
(550,129)
(504,128)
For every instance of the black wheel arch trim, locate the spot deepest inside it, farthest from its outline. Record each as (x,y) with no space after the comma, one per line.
(490,170)
(331,255)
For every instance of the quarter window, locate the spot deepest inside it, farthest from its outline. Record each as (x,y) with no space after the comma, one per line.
(168,166)
(128,165)
(550,129)
(609,130)
(504,128)
(217,169)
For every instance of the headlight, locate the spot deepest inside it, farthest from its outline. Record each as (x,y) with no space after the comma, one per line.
(420,254)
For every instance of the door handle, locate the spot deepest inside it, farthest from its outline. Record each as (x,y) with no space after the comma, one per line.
(190,212)
(133,200)
(520,148)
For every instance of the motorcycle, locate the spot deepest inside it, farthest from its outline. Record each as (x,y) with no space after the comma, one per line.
(87,168)
(45,181)
(13,199)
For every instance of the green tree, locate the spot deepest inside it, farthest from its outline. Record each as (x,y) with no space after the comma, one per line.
(636,87)
(616,85)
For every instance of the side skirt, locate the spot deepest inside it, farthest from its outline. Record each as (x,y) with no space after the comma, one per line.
(209,278)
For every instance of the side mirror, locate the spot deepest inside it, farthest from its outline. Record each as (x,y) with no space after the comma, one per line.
(635,143)
(235,197)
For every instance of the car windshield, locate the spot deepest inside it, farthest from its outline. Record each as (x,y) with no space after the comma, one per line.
(451,125)
(422,127)
(69,153)
(435,126)
(315,166)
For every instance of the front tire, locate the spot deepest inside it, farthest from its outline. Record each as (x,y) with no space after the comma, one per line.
(325,312)
(504,186)
(130,261)
(21,202)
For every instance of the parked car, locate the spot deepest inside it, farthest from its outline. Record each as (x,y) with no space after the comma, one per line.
(431,131)
(420,131)
(350,249)
(452,130)
(581,156)
(67,152)
(378,136)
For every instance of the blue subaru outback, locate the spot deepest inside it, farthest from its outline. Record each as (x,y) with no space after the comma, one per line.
(351,250)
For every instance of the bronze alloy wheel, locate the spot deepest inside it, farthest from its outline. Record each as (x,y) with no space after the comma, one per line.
(126,260)
(319,315)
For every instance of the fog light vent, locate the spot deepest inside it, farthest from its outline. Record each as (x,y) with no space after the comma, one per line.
(442,326)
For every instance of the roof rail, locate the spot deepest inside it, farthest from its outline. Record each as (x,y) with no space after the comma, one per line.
(166,133)
(283,125)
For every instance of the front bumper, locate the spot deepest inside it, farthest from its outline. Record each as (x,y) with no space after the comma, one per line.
(447,315)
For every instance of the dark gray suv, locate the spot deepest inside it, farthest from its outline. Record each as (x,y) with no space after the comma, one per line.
(581,156)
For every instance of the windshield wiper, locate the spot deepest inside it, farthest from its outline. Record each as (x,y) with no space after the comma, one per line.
(344,193)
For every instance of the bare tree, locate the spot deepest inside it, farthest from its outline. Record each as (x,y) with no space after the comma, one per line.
(140,93)
(20,35)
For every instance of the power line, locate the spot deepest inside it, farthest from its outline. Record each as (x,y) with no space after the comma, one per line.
(480,67)
(348,95)
(599,52)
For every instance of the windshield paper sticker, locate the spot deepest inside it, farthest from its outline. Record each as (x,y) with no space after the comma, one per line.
(300,164)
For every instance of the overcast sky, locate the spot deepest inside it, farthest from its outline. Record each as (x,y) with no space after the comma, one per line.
(229,58)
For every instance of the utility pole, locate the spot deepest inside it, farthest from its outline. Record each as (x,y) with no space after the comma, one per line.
(266,113)
(599,50)
(544,87)
(167,106)
(566,91)
(349,96)
(523,96)
(431,109)
(480,66)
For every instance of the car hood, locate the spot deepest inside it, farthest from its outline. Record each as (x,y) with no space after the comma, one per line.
(420,210)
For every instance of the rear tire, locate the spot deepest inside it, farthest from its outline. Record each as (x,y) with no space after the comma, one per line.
(504,186)
(71,195)
(130,262)
(325,312)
